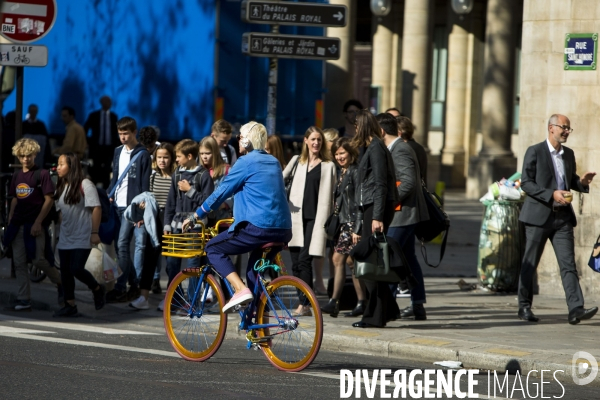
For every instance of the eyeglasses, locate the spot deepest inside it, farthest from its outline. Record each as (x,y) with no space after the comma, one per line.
(565,128)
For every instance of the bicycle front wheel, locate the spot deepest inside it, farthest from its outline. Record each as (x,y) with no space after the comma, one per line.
(295,343)
(195,331)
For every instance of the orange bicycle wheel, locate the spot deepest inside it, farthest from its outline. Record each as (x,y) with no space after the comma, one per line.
(294,344)
(195,331)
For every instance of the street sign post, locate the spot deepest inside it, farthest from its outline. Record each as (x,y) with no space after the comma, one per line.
(290,46)
(25,21)
(19,55)
(298,14)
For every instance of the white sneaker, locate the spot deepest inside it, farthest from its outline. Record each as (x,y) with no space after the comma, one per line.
(161,305)
(402,293)
(141,303)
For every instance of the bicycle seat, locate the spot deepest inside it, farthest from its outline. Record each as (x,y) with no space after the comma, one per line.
(272,244)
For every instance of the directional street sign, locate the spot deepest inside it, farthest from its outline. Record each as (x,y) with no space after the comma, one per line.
(20,55)
(290,46)
(298,14)
(25,21)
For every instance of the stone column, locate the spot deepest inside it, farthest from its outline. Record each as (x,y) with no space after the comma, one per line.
(496,159)
(339,74)
(416,65)
(386,57)
(453,153)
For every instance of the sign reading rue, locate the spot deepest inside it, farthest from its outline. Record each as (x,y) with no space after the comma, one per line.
(580,51)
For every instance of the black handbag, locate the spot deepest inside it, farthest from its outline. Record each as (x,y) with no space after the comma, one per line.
(437,224)
(290,179)
(376,267)
(332,225)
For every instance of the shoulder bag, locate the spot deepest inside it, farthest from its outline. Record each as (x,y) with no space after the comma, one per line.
(290,179)
(437,224)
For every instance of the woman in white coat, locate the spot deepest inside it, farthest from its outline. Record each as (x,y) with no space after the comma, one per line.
(310,202)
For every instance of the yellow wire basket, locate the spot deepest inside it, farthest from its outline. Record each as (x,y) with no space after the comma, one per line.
(190,245)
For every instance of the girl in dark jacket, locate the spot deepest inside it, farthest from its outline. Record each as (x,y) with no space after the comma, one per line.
(376,198)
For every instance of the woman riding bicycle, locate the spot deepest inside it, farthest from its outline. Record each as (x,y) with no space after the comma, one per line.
(260,210)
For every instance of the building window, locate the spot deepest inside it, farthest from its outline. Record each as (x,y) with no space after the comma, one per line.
(438,79)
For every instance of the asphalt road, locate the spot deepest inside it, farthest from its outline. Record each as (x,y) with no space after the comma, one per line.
(130,358)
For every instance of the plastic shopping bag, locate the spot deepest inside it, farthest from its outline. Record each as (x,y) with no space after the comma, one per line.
(110,266)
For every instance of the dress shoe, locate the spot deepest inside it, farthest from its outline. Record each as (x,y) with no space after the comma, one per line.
(361,324)
(580,313)
(415,310)
(358,310)
(526,314)
(332,308)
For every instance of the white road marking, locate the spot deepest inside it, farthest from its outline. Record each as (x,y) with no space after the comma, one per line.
(90,344)
(8,329)
(73,327)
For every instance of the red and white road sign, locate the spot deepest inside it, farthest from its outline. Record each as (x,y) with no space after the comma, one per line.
(25,21)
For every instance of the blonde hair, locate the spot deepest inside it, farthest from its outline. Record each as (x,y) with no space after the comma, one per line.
(256,134)
(331,134)
(323,152)
(218,165)
(25,147)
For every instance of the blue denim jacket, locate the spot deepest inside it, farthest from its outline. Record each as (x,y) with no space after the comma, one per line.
(256,183)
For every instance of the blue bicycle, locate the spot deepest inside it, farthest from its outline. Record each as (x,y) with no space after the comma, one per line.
(196,325)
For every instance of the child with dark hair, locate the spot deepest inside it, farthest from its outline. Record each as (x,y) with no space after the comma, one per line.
(77,199)
(190,187)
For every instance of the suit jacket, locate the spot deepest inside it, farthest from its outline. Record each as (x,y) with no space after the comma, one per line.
(538,180)
(93,123)
(421,156)
(413,208)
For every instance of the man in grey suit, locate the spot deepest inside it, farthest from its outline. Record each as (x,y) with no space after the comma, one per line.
(549,173)
(410,212)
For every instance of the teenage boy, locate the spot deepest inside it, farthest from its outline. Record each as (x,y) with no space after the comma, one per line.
(221,132)
(190,187)
(32,192)
(136,181)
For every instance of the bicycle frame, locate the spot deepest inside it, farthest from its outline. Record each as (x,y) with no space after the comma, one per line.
(248,312)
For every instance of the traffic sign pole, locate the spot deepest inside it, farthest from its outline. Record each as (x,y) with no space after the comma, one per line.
(19,107)
(272,91)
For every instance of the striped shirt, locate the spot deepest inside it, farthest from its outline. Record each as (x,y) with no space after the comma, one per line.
(159,186)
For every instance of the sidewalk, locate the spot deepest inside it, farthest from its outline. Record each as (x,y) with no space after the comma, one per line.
(478,327)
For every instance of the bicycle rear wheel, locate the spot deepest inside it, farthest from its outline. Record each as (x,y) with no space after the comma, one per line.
(296,342)
(195,331)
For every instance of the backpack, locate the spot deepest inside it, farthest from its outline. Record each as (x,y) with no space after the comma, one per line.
(104,204)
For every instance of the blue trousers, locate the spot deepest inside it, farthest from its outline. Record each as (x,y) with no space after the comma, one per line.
(245,238)
(127,231)
(405,236)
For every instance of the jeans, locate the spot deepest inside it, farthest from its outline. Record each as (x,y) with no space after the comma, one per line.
(20,261)
(405,236)
(125,234)
(72,265)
